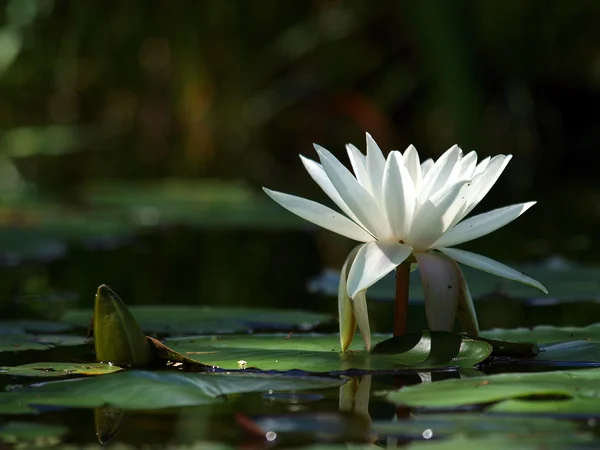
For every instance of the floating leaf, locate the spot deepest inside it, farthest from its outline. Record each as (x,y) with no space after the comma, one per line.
(22,342)
(35,433)
(135,390)
(320,353)
(448,430)
(545,334)
(58,369)
(574,392)
(179,319)
(206,203)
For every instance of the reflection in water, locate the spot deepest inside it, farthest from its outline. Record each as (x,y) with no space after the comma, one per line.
(108,422)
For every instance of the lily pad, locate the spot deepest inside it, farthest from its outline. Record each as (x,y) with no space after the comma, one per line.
(207,203)
(501,442)
(58,369)
(572,392)
(22,342)
(179,319)
(545,334)
(32,326)
(320,353)
(28,432)
(139,390)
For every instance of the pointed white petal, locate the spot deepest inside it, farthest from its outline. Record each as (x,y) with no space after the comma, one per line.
(480,168)
(465,313)
(425,167)
(482,224)
(440,288)
(347,321)
(491,266)
(435,215)
(398,195)
(359,200)
(438,175)
(469,163)
(320,215)
(490,175)
(413,165)
(373,261)
(361,313)
(317,173)
(359,165)
(375,167)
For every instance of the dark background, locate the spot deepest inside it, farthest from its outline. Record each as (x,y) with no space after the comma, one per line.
(179,111)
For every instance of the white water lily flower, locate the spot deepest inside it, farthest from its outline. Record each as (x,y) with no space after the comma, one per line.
(404,210)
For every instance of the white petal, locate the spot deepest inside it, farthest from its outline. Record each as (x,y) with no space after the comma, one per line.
(482,224)
(317,173)
(347,321)
(426,166)
(440,288)
(490,175)
(480,168)
(320,215)
(413,165)
(438,175)
(491,266)
(361,313)
(435,215)
(398,195)
(469,163)
(465,312)
(375,167)
(359,165)
(373,261)
(360,201)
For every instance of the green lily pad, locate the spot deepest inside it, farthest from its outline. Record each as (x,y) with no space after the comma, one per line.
(179,319)
(566,344)
(545,334)
(500,442)
(320,353)
(473,425)
(573,392)
(139,390)
(58,369)
(28,432)
(22,342)
(207,203)
(32,326)
(470,429)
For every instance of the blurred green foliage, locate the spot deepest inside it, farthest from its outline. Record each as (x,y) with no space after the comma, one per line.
(119,115)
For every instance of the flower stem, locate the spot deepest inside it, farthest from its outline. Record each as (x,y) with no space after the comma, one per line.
(401,304)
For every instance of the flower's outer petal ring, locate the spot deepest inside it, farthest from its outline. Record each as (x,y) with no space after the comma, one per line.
(482,224)
(359,200)
(465,312)
(361,314)
(491,266)
(320,215)
(346,318)
(373,261)
(440,288)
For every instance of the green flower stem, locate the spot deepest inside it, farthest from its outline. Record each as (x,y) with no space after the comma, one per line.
(401,304)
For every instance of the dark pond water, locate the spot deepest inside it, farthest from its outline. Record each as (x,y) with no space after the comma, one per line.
(259,269)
